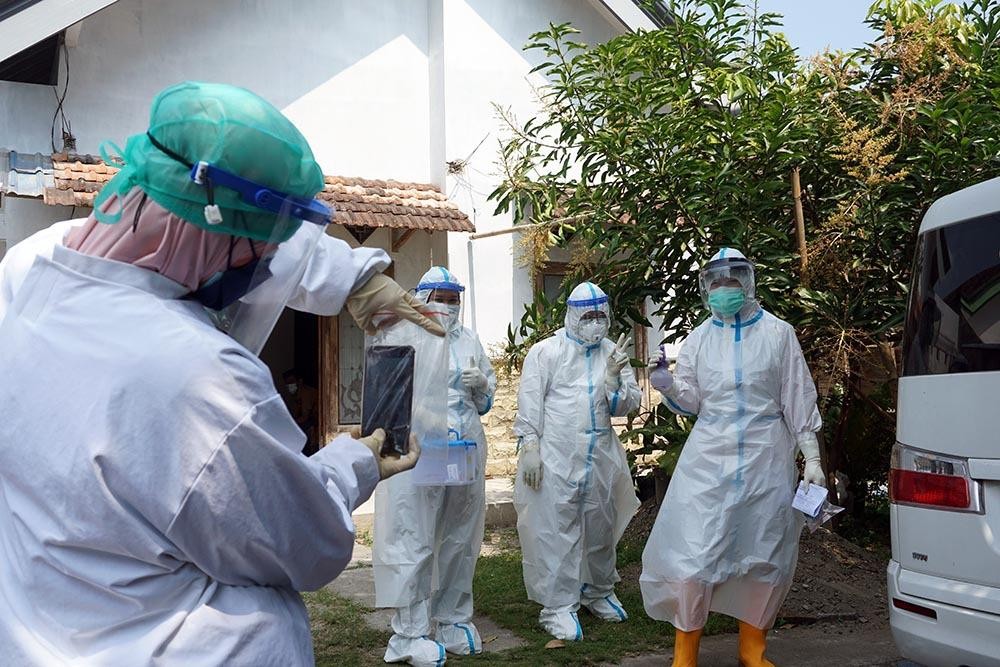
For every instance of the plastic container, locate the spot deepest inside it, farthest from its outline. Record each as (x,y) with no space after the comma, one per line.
(452,462)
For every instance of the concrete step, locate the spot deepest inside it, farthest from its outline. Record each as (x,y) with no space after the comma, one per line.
(499,508)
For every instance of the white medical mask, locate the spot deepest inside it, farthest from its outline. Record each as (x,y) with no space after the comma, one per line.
(454,313)
(292,388)
(593,331)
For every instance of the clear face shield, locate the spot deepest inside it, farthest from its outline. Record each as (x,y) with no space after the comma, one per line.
(588,321)
(446,298)
(246,302)
(725,283)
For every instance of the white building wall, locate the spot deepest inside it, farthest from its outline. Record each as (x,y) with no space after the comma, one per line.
(485,64)
(20,218)
(380,88)
(352,75)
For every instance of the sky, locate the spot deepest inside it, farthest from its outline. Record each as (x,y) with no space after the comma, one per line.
(813,25)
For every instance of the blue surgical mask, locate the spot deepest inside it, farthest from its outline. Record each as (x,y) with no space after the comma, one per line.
(726,301)
(227,287)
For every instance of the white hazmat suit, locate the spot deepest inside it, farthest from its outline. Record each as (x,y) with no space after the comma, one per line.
(181,450)
(154,504)
(570,524)
(427,538)
(726,537)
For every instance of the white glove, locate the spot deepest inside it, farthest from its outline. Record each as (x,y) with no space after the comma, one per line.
(474,379)
(616,362)
(809,447)
(531,464)
(388,465)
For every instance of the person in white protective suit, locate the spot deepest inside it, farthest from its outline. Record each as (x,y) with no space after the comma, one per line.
(427,538)
(154,506)
(726,538)
(574,494)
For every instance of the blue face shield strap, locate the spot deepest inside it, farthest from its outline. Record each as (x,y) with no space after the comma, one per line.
(260,196)
(446,286)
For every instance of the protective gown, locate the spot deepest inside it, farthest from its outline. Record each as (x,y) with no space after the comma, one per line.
(569,527)
(154,506)
(427,538)
(726,537)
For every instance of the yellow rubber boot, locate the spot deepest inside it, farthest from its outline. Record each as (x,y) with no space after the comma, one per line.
(686,648)
(753,642)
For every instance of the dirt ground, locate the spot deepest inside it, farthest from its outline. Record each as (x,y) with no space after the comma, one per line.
(835,580)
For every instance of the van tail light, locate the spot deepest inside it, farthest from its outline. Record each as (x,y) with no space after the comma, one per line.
(925,479)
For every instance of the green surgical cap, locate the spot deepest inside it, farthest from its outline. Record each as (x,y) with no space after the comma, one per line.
(231,128)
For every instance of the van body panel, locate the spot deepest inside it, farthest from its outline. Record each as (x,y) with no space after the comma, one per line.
(985,469)
(949,591)
(957,636)
(946,562)
(959,545)
(957,415)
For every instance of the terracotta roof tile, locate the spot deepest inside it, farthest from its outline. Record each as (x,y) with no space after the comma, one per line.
(377,203)
(359,202)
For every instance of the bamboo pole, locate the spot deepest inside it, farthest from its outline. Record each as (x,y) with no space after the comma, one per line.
(522,228)
(800,221)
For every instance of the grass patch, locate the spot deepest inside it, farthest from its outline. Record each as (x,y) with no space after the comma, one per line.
(500,594)
(340,635)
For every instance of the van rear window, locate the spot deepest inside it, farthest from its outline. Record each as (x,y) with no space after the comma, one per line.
(953,320)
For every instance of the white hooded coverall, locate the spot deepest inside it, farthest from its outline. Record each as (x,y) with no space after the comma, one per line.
(570,526)
(726,538)
(427,538)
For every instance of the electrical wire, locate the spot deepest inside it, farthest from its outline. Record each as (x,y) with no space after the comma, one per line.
(69,141)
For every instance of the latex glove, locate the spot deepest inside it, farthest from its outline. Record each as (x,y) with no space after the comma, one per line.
(382,294)
(617,361)
(388,465)
(809,446)
(474,379)
(531,464)
(659,373)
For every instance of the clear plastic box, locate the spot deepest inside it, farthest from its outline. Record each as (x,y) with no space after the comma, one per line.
(451,462)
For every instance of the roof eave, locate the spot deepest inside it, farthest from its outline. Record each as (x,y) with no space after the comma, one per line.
(42,19)
(627,13)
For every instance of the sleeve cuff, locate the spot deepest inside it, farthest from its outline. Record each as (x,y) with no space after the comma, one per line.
(346,458)
(808,444)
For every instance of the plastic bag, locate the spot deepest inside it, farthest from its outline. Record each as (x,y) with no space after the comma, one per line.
(429,403)
(811,501)
(827,512)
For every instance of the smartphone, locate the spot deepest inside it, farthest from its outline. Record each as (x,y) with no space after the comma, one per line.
(387,395)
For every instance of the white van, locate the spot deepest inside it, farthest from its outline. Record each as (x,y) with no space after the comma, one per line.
(944,577)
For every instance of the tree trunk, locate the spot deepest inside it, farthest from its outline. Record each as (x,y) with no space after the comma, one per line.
(661,480)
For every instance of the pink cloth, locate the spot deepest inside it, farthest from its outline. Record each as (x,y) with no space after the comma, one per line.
(161,242)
